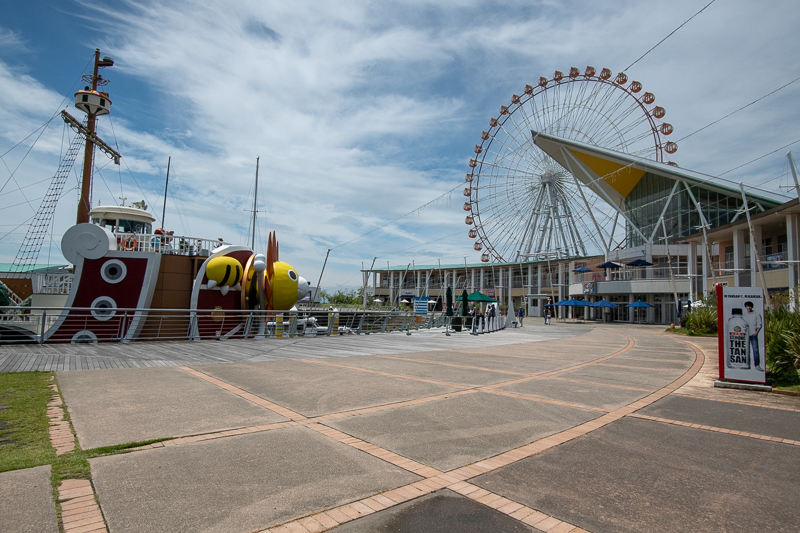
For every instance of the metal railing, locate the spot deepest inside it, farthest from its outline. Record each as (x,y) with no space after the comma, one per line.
(167,244)
(52,283)
(632,274)
(89,325)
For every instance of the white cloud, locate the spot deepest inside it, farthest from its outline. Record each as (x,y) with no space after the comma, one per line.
(362,112)
(9,38)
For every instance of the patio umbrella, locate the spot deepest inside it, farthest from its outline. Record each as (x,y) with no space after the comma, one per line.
(478,296)
(640,304)
(604,303)
(464,298)
(404,301)
(608,264)
(640,263)
(582,269)
(377,300)
(449,300)
(562,302)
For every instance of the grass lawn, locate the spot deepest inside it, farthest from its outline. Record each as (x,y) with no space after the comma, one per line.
(24,426)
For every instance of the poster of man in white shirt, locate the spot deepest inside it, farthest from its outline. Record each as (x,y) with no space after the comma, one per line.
(755,323)
(740,316)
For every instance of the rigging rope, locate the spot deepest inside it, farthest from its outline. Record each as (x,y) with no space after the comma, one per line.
(670,34)
(420,208)
(43,127)
(734,112)
(761,157)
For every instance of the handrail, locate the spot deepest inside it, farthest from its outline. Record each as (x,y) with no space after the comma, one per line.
(167,244)
(81,324)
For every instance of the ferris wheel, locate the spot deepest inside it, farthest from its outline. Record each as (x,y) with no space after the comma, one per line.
(521,204)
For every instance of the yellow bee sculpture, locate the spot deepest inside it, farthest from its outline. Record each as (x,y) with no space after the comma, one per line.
(224,272)
(271,284)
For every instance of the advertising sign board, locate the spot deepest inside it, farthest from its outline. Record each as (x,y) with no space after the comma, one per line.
(740,330)
(774,257)
(421,305)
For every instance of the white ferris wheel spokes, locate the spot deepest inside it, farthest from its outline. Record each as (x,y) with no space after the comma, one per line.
(520,203)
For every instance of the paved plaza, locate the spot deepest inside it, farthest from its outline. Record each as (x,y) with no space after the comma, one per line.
(569,427)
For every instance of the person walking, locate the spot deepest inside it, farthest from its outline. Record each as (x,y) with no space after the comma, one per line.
(521,315)
(547,317)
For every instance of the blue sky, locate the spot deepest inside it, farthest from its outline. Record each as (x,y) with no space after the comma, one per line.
(362,111)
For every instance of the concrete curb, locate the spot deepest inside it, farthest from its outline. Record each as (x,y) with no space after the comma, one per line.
(743,386)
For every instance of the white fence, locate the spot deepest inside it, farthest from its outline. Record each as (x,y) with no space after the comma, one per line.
(167,244)
(52,283)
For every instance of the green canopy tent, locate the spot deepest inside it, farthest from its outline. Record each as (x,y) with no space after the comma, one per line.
(477,296)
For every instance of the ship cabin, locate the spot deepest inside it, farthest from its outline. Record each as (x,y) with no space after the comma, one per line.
(123,219)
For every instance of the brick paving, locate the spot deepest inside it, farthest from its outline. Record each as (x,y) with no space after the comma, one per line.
(79,510)
(719,430)
(61,436)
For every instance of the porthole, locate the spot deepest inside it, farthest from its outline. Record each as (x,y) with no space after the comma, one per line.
(113,271)
(103,308)
(292,275)
(84,336)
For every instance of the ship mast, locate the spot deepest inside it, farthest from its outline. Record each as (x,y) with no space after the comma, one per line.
(94,103)
(255,204)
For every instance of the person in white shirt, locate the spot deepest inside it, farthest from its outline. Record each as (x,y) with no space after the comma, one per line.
(755,323)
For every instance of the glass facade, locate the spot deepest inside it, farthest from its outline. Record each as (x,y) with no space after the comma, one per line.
(647,199)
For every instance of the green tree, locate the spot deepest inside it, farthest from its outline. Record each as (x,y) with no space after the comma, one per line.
(344,297)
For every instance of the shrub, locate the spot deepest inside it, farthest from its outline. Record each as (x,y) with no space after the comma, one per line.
(701,320)
(782,339)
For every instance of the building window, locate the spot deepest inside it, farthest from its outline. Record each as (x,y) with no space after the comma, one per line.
(782,244)
(766,246)
(728,258)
